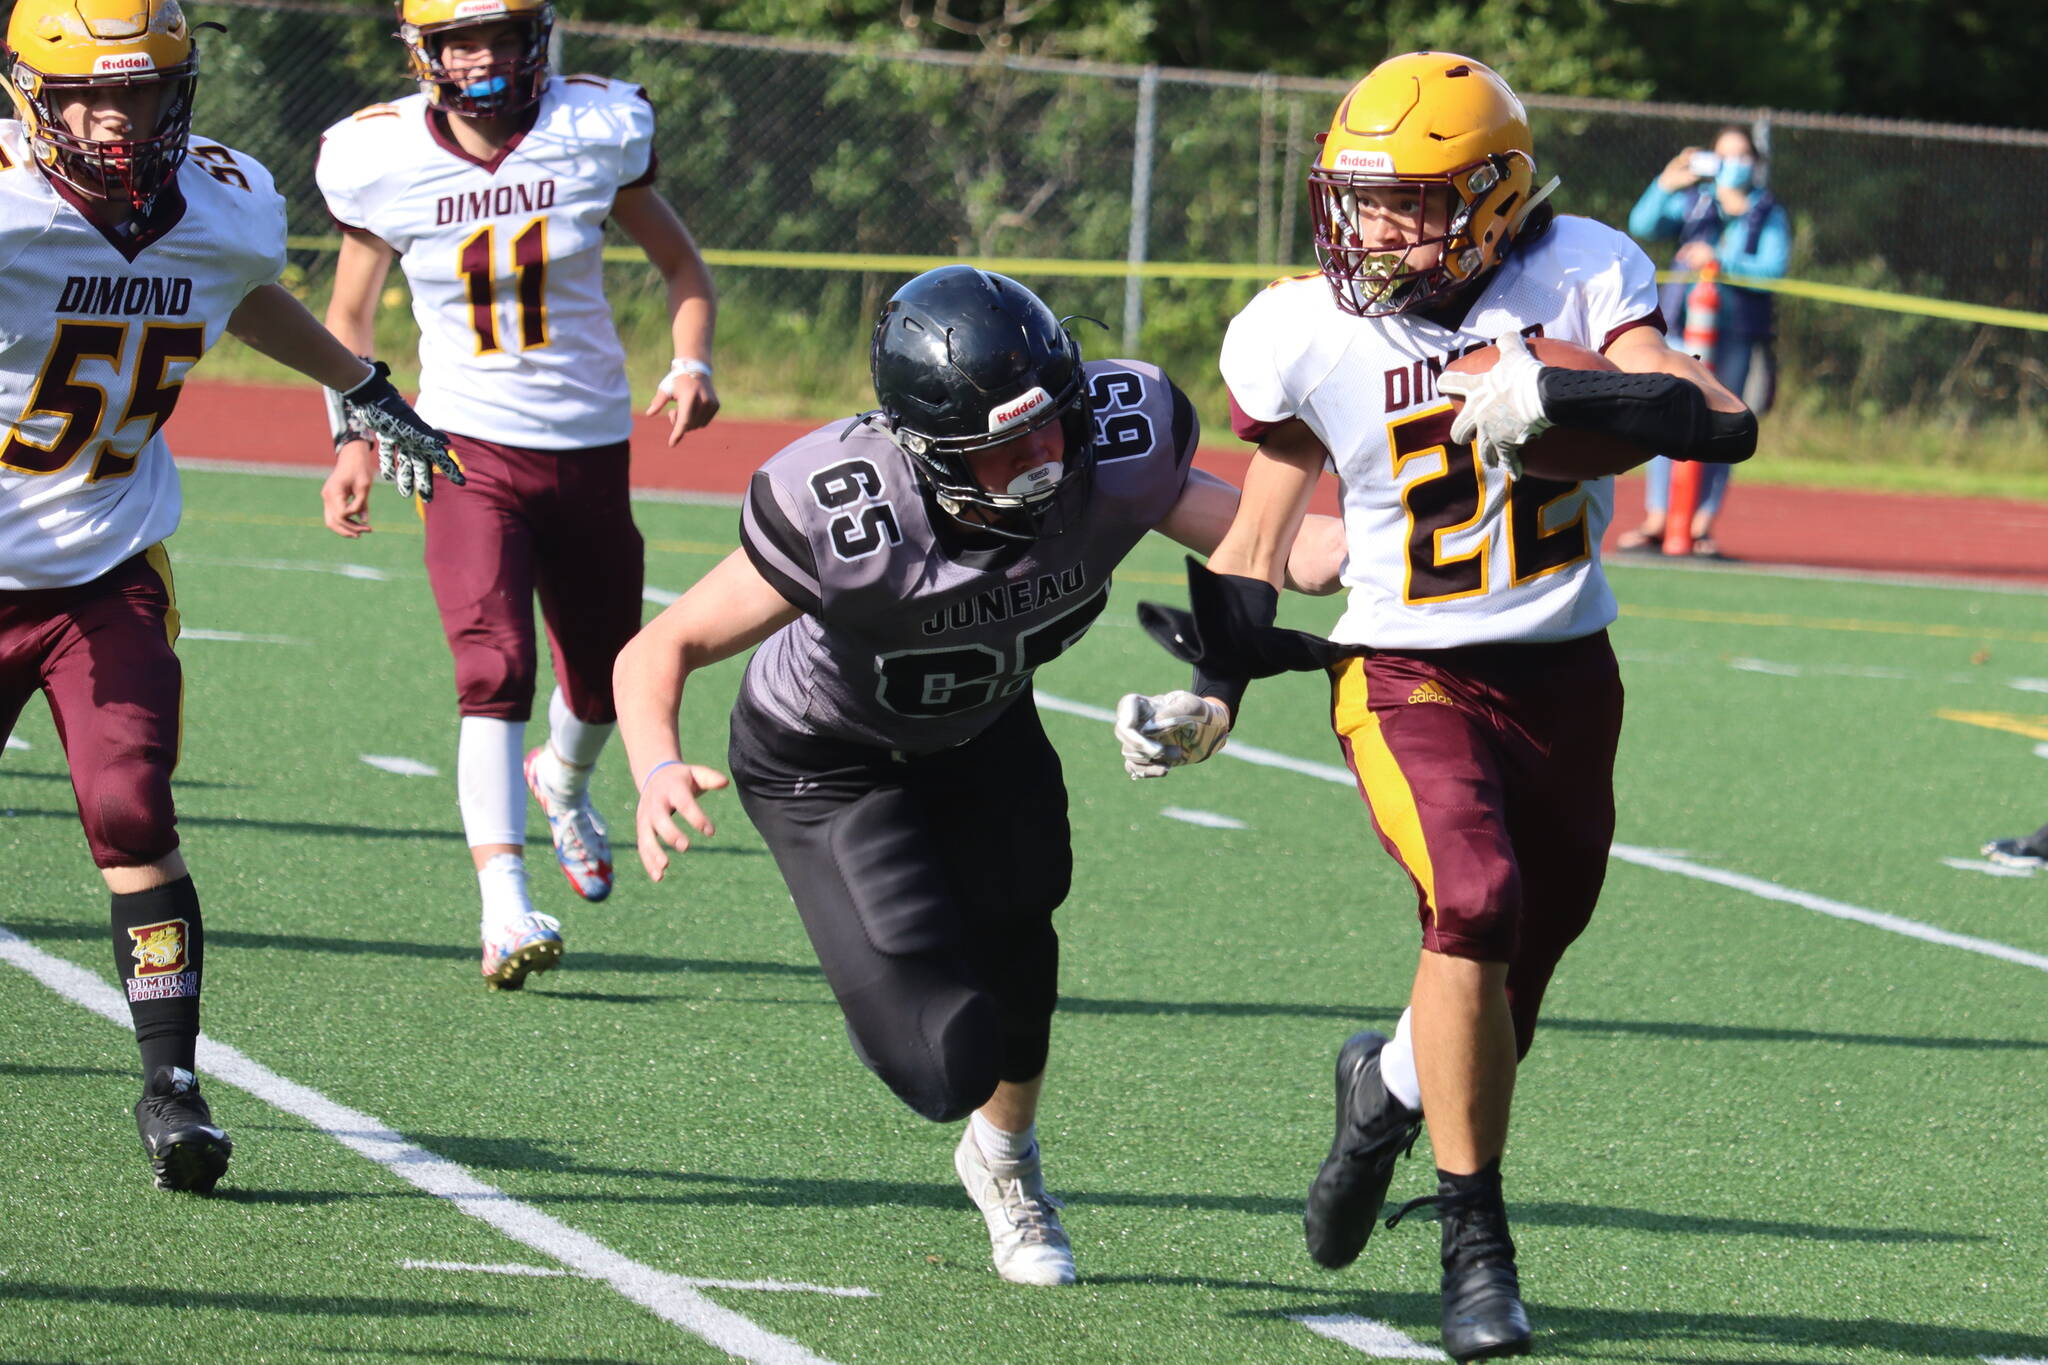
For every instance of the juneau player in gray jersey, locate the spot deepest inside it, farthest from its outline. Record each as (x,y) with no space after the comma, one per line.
(908,572)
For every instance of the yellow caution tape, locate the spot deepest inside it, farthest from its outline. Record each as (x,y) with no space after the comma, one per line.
(1222,270)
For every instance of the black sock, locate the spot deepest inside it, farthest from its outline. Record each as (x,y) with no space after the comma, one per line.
(2036,843)
(1485,1180)
(158,950)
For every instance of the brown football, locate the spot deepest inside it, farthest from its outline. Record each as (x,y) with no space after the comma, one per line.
(1565,454)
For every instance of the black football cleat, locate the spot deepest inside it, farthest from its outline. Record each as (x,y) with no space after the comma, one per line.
(1483,1314)
(1373,1130)
(185,1148)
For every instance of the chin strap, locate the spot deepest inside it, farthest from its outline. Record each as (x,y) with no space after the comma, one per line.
(1522,213)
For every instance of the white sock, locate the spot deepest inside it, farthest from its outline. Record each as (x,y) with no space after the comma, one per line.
(573,745)
(488,784)
(502,879)
(1397,1066)
(998,1145)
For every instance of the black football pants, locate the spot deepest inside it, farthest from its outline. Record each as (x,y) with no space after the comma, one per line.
(927,886)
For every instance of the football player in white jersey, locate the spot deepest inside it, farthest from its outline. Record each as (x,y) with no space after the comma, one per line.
(127,246)
(490,188)
(1476,697)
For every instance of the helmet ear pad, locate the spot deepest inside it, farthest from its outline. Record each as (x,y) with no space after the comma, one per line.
(964,360)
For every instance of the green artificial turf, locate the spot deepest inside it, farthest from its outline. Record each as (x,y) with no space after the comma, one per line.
(1748,1132)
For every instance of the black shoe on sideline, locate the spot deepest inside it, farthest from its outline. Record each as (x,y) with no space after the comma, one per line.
(1483,1314)
(185,1148)
(1373,1130)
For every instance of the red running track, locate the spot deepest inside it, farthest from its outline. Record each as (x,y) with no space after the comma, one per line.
(1830,528)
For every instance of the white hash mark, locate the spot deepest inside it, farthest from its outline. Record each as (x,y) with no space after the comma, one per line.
(404,767)
(1207,819)
(1369,1335)
(1989,869)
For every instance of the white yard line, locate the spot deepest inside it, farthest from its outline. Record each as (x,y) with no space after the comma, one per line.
(1821,905)
(540,1272)
(1766,666)
(1369,1335)
(361,571)
(661,597)
(404,767)
(14,743)
(1655,859)
(672,1298)
(236,637)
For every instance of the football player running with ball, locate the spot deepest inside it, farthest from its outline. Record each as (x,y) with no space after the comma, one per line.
(127,246)
(908,573)
(491,188)
(1474,691)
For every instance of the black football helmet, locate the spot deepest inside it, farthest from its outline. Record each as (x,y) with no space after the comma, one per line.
(965,360)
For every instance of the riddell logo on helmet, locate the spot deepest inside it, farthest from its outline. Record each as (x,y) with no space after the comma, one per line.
(469,9)
(1358,159)
(133,61)
(1011,413)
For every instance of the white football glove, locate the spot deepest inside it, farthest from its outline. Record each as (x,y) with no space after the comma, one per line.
(408,450)
(1503,410)
(1158,733)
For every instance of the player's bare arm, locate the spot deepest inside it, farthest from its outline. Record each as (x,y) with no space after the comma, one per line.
(359,274)
(273,322)
(730,609)
(1206,508)
(648,219)
(1274,506)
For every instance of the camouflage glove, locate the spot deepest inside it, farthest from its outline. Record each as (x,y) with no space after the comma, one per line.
(1163,732)
(408,450)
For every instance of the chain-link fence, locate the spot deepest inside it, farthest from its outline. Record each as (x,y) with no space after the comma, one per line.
(801,148)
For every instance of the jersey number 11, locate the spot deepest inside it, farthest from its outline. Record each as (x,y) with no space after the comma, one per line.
(478,265)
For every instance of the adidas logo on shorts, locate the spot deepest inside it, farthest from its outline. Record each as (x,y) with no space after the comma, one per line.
(1429,691)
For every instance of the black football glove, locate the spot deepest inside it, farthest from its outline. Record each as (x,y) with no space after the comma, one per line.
(408,450)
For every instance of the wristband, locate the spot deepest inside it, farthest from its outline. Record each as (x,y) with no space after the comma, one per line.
(665,763)
(338,423)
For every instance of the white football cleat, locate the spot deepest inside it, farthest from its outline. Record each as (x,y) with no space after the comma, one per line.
(1024,1230)
(581,843)
(518,947)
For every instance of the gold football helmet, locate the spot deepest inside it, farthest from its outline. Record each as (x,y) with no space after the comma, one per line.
(1448,130)
(59,46)
(495,91)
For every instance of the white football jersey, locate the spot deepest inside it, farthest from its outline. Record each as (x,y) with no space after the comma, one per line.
(1444,551)
(97,332)
(504,258)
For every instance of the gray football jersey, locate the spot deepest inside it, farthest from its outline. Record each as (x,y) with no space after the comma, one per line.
(909,641)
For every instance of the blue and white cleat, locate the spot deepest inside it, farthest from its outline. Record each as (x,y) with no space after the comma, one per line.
(581,843)
(519,947)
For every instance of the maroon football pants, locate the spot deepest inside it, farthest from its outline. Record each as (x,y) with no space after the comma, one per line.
(1489,774)
(556,522)
(101,652)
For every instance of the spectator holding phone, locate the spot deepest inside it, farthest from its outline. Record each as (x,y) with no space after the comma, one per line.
(1716,207)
